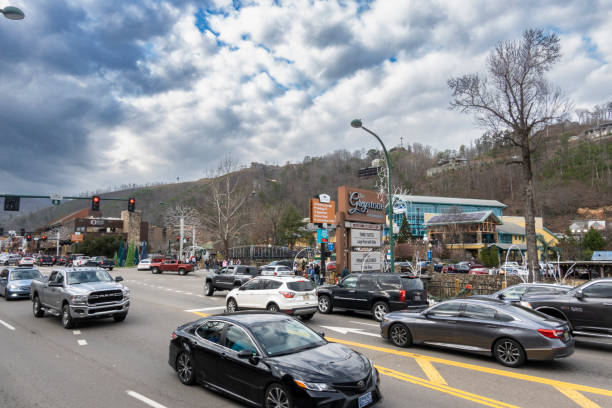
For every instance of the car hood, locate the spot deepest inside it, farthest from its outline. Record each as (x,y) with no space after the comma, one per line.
(400,314)
(92,286)
(21,282)
(330,363)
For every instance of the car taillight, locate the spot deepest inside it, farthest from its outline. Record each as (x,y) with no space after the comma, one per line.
(288,295)
(274,273)
(402,296)
(174,336)
(551,334)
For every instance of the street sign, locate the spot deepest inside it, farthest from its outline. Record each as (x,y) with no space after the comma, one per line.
(11,203)
(56,197)
(322,235)
(330,246)
(429,254)
(324,198)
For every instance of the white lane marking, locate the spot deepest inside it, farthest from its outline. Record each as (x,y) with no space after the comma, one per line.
(144,399)
(200,296)
(5,324)
(75,332)
(345,330)
(205,309)
(178,291)
(367,324)
(188,293)
(82,342)
(168,289)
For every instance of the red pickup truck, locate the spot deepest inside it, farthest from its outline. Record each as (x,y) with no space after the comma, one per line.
(171,265)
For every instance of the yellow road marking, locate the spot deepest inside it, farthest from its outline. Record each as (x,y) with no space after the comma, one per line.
(444,388)
(201,314)
(577,397)
(430,371)
(518,376)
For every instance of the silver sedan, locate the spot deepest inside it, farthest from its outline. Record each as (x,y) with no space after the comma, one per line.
(511,333)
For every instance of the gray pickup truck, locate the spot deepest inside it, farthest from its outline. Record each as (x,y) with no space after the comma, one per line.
(229,278)
(80,293)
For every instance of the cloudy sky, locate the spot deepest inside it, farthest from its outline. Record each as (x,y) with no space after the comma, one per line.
(100,93)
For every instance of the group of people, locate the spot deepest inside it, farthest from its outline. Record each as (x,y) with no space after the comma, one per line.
(218,264)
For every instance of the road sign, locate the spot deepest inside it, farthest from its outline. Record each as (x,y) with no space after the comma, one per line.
(365,238)
(11,203)
(322,212)
(330,246)
(429,254)
(56,197)
(322,235)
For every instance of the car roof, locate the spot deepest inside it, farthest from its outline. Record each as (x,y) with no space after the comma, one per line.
(283,278)
(78,269)
(21,268)
(401,275)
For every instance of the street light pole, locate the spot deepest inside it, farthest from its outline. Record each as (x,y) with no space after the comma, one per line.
(12,13)
(357,124)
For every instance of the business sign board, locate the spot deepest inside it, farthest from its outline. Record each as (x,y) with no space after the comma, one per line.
(321,213)
(77,237)
(361,205)
(365,238)
(597,225)
(369,261)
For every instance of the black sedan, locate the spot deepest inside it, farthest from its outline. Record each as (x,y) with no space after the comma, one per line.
(272,360)
(511,333)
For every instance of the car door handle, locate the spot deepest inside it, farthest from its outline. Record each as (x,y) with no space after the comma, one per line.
(352,291)
(607,304)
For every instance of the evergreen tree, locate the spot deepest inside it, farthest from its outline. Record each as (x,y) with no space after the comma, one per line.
(404,233)
(593,240)
(493,257)
(485,257)
(129,260)
(291,226)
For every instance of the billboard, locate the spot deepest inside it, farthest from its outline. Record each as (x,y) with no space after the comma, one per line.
(365,238)
(361,205)
(321,213)
(369,261)
(597,225)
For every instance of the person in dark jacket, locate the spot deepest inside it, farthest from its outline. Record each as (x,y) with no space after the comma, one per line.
(345,272)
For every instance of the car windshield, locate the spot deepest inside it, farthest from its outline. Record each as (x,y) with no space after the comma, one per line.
(23,275)
(285,337)
(88,276)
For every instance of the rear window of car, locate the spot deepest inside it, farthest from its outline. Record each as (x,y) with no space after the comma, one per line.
(412,284)
(389,282)
(283,269)
(251,270)
(301,286)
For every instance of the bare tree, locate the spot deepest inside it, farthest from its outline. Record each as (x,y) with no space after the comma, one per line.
(225,213)
(516,97)
(190,216)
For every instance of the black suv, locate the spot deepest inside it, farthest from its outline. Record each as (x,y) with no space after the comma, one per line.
(378,293)
(229,277)
(586,307)
(45,260)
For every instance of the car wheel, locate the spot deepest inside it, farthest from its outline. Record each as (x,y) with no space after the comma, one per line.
(209,289)
(278,396)
(154,271)
(273,307)
(37,308)
(379,310)
(509,352)
(119,317)
(67,320)
(400,335)
(110,269)
(232,306)
(184,369)
(181,271)
(306,317)
(325,304)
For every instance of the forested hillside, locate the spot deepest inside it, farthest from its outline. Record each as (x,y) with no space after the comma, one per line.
(571,173)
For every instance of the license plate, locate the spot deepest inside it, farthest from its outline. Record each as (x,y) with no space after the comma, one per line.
(306,297)
(417,297)
(566,336)
(365,400)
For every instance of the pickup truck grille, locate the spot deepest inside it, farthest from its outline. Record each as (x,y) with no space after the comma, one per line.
(105,296)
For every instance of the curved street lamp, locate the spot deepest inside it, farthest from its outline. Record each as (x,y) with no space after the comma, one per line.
(12,13)
(356,123)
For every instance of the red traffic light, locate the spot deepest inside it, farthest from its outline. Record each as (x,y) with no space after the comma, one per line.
(178,238)
(95,203)
(28,237)
(96,199)
(131,204)
(44,237)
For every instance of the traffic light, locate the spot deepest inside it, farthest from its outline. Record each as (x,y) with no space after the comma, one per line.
(1,231)
(44,237)
(28,237)
(11,203)
(95,203)
(178,238)
(22,232)
(131,204)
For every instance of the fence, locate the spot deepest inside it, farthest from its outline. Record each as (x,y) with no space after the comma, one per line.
(445,286)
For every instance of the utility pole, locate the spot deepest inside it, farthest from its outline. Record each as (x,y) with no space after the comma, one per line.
(57,236)
(182,236)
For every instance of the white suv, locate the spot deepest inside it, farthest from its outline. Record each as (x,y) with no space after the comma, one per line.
(292,295)
(80,261)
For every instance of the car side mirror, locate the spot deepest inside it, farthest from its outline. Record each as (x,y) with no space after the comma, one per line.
(322,334)
(56,284)
(245,353)
(501,296)
(579,294)
(118,279)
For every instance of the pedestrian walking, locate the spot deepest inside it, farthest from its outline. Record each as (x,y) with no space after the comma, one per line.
(317,276)
(345,272)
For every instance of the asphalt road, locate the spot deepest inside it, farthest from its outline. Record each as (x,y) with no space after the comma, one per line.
(106,364)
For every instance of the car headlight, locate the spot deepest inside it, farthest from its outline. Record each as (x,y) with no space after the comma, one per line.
(79,299)
(314,386)
(12,286)
(526,304)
